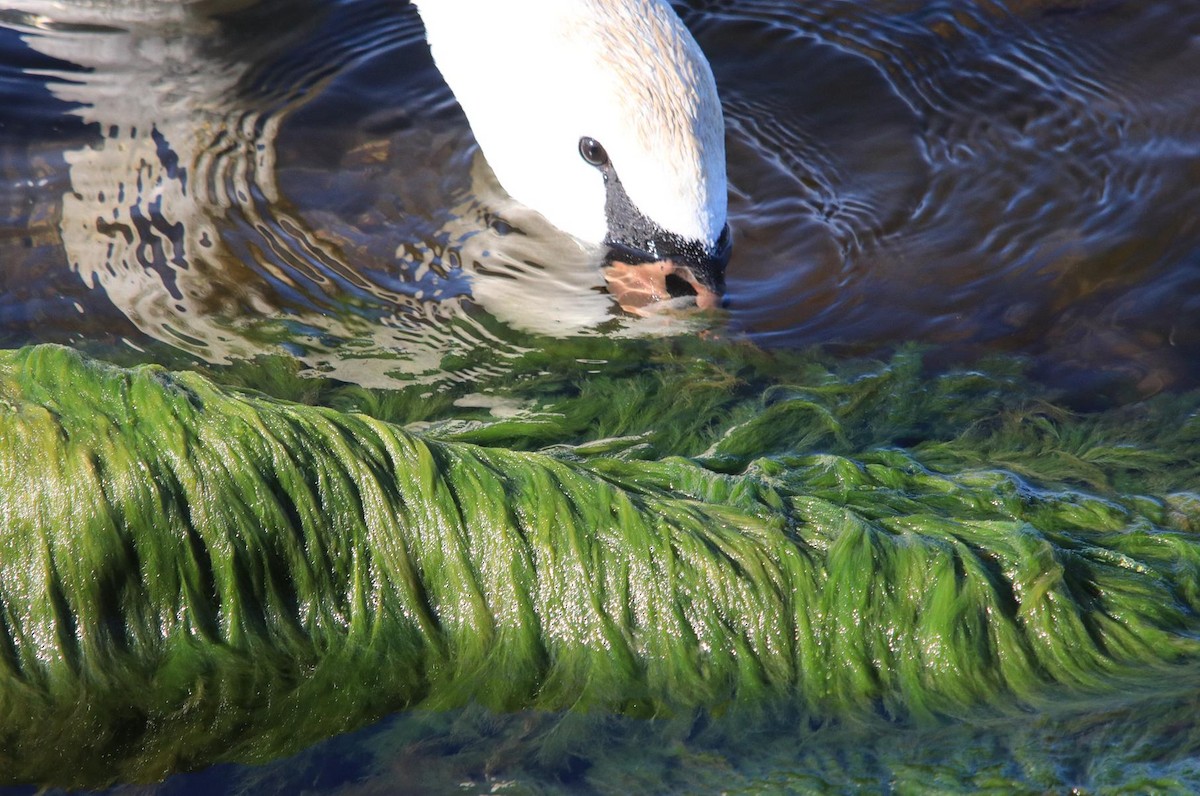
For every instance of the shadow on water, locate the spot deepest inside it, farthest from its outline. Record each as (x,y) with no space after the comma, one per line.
(295,178)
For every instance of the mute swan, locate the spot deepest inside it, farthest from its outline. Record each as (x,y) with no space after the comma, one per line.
(602,115)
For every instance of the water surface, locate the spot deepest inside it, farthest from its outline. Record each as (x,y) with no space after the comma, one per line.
(979,176)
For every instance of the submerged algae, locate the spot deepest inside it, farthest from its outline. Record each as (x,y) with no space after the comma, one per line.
(191,574)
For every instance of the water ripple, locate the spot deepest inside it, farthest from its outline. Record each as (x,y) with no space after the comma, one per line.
(984,175)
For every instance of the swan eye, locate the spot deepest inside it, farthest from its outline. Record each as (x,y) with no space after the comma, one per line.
(591,151)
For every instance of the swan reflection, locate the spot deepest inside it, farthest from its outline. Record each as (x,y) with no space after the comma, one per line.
(182,213)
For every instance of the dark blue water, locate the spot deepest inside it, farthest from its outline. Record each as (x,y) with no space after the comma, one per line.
(979,177)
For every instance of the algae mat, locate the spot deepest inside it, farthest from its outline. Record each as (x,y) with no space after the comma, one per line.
(191,573)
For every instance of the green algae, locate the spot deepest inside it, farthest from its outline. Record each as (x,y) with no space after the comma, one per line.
(191,573)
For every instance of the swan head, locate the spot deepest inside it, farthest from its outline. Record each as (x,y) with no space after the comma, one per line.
(602,115)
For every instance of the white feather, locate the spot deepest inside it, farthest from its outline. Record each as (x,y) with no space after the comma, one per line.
(533,76)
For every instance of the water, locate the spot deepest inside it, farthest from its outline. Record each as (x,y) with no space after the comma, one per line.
(953,173)
(980,177)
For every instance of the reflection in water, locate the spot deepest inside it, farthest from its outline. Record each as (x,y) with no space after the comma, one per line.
(176,212)
(982,176)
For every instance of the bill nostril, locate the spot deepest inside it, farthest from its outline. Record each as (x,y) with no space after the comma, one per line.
(678,287)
